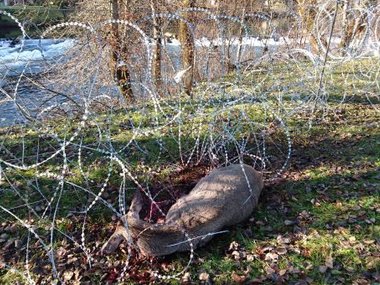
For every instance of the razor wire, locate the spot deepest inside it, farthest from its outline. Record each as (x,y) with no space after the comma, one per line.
(68,132)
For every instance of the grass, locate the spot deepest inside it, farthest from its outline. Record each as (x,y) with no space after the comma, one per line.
(318,223)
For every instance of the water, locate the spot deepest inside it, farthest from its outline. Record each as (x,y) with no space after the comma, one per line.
(28,58)
(33,56)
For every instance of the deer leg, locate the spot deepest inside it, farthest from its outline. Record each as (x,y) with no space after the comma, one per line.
(114,241)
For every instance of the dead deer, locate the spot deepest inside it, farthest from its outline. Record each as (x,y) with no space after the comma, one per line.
(225,197)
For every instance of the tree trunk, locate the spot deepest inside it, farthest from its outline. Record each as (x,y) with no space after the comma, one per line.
(353,26)
(241,30)
(157,56)
(119,57)
(307,11)
(187,45)
(346,26)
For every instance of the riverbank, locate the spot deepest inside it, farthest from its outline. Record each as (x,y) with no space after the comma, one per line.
(40,16)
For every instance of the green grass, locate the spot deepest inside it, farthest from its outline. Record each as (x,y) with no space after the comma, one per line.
(319,223)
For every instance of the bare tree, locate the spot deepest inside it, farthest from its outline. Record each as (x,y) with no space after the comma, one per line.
(307,11)
(157,36)
(187,44)
(239,49)
(354,22)
(119,60)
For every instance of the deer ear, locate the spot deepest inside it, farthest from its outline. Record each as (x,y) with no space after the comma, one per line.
(258,176)
(136,204)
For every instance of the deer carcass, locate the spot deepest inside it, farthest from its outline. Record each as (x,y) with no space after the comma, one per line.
(226,196)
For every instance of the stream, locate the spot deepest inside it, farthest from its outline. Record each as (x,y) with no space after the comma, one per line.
(20,61)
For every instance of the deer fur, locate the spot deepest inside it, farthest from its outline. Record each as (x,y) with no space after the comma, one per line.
(225,197)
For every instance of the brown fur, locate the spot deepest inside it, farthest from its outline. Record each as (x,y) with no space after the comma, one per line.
(222,198)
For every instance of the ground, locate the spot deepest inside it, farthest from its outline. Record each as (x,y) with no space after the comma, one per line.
(317,223)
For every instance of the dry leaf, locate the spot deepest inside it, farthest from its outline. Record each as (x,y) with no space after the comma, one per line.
(281,250)
(270,270)
(271,257)
(282,272)
(236,255)
(238,278)
(204,276)
(186,278)
(67,275)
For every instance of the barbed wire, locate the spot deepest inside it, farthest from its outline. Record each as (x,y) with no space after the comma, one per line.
(73,134)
